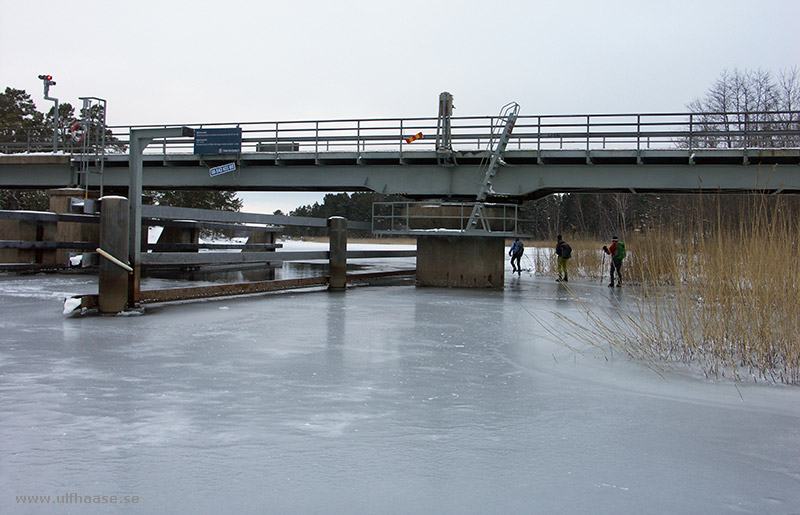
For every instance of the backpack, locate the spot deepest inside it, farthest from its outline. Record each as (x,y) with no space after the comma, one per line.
(566,250)
(620,251)
(517,248)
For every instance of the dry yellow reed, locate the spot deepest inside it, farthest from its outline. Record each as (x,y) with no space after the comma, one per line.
(723,295)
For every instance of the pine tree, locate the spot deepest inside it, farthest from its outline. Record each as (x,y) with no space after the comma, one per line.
(200,199)
(20,124)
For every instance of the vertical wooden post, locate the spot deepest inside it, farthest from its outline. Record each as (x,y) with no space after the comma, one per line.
(337,233)
(113,281)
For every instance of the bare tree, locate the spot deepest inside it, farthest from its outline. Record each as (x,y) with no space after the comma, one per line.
(789,97)
(745,109)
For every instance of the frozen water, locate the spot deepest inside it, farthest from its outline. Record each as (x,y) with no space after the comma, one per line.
(377,400)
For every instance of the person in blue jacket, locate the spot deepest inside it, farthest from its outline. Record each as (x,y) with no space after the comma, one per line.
(516,251)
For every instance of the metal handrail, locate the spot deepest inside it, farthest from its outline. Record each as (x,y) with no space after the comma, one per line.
(415,218)
(538,132)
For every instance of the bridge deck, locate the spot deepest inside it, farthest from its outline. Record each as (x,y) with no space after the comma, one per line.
(528,174)
(547,153)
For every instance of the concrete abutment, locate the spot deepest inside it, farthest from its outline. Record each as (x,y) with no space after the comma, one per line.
(460,261)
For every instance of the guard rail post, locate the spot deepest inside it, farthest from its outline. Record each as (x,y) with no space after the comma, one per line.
(337,269)
(113,280)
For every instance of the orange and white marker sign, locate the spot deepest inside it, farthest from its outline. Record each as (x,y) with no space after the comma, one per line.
(415,137)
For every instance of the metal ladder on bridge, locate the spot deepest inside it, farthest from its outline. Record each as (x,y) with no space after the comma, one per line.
(92,141)
(501,134)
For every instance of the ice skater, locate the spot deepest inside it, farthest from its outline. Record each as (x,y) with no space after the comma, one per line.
(617,253)
(516,251)
(564,252)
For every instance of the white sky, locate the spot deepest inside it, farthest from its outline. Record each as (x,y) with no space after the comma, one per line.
(176,61)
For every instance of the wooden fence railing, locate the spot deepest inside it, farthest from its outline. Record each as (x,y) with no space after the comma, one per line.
(34,238)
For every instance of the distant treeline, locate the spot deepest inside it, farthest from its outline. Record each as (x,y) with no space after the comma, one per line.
(590,215)
(583,215)
(353,206)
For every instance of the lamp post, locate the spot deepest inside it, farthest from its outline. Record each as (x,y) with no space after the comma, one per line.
(48,81)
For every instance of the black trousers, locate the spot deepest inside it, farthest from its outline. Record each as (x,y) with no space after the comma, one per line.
(616,264)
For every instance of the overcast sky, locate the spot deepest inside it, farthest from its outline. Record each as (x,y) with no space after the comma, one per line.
(196,61)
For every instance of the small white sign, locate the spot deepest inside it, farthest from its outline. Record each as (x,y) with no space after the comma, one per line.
(219,170)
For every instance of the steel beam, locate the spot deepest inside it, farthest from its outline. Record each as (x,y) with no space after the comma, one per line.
(677,170)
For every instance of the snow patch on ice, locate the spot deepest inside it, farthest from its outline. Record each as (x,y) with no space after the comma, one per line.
(71,305)
(131,313)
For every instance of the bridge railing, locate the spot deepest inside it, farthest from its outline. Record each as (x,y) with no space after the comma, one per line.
(416,218)
(534,133)
(646,131)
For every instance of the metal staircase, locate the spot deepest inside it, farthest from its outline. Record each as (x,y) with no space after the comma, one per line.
(501,134)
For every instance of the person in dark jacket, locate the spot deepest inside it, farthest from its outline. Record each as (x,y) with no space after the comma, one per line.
(516,251)
(564,252)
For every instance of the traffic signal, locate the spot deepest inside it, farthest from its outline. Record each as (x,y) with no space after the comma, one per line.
(48,81)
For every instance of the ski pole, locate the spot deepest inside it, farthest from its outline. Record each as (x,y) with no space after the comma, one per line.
(602,266)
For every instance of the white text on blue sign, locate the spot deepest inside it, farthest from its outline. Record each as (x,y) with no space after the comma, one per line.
(219,170)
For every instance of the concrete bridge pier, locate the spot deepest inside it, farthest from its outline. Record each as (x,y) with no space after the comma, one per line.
(460,261)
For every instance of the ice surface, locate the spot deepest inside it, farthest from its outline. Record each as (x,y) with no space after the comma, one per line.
(375,400)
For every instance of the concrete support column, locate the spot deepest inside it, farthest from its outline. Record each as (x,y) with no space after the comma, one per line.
(113,280)
(337,232)
(262,237)
(460,262)
(60,200)
(139,140)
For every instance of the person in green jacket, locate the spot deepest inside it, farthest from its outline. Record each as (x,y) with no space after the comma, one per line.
(617,253)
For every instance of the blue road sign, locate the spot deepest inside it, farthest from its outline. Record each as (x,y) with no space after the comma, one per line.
(219,170)
(218,141)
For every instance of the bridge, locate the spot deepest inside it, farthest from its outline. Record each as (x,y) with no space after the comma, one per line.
(505,158)
(657,152)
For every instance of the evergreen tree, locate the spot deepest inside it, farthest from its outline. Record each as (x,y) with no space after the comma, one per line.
(200,199)
(356,207)
(24,200)
(20,124)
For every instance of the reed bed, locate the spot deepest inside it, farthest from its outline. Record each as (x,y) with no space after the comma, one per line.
(724,294)
(586,262)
